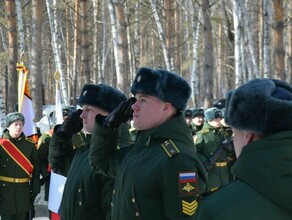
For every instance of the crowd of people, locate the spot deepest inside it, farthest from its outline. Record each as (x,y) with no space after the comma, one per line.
(230,161)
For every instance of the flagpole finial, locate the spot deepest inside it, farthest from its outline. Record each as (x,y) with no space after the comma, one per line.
(57,75)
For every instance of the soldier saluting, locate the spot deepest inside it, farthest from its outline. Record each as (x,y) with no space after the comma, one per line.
(159,176)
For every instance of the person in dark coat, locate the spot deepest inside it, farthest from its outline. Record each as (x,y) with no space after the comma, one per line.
(19,170)
(208,142)
(260,114)
(87,194)
(159,176)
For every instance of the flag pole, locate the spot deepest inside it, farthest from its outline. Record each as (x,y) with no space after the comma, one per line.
(58,102)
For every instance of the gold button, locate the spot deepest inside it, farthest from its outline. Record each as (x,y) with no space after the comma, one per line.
(80,203)
(16,180)
(137,214)
(133,200)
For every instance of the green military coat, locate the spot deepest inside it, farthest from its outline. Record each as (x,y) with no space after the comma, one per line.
(87,195)
(158,178)
(15,198)
(207,141)
(263,186)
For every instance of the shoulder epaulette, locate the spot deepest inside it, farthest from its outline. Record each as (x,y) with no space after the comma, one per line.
(170,148)
(29,140)
(203,195)
(204,131)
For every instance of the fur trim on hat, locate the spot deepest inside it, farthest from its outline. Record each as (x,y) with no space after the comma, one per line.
(188,113)
(262,106)
(102,96)
(165,85)
(212,113)
(13,117)
(198,112)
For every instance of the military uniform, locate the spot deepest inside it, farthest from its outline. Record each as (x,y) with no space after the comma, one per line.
(207,141)
(43,151)
(158,178)
(87,195)
(263,186)
(17,189)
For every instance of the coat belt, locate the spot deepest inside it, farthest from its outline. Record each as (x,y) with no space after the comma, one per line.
(14,180)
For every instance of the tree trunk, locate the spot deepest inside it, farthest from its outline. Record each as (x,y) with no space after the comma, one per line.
(237,16)
(85,57)
(52,13)
(20,26)
(161,34)
(12,51)
(208,55)
(36,58)
(279,50)
(123,50)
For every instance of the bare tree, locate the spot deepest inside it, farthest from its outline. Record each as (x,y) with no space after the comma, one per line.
(36,57)
(13,54)
(52,13)
(85,58)
(279,50)
(208,67)
(122,47)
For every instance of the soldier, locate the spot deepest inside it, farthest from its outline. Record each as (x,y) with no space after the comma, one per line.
(260,114)
(208,142)
(198,120)
(87,195)
(43,150)
(19,170)
(159,176)
(188,113)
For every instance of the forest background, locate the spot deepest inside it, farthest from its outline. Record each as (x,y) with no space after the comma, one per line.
(216,45)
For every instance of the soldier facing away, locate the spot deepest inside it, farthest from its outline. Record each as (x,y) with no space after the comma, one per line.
(260,114)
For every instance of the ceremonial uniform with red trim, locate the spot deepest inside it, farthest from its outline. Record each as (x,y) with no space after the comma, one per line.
(158,177)
(17,187)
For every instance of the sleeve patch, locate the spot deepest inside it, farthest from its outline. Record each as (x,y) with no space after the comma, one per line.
(189,208)
(170,148)
(187,183)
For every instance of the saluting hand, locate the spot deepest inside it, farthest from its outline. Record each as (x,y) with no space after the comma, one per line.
(72,125)
(120,115)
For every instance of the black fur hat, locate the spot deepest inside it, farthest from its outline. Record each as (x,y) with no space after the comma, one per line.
(163,84)
(102,96)
(13,117)
(263,106)
(198,112)
(188,113)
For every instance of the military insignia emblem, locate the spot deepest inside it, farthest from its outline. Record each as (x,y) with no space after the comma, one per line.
(189,208)
(84,93)
(139,78)
(187,182)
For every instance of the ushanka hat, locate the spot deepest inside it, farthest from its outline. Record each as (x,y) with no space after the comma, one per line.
(13,117)
(263,106)
(198,112)
(163,84)
(102,96)
(188,113)
(212,113)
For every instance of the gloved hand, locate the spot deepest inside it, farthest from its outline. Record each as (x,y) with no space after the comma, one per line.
(72,125)
(120,115)
(210,167)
